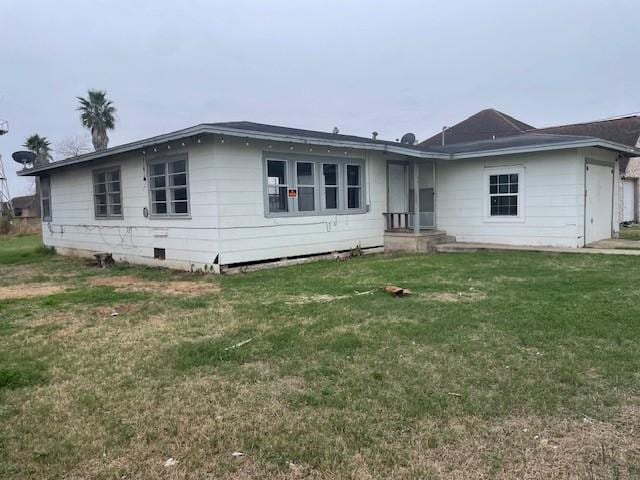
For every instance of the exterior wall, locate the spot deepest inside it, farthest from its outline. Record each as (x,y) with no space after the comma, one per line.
(190,243)
(552,201)
(227,218)
(632,172)
(247,235)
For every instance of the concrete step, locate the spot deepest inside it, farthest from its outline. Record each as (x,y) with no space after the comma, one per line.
(425,241)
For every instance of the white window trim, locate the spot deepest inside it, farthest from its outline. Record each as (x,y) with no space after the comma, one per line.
(105,170)
(488,171)
(167,159)
(47,179)
(292,159)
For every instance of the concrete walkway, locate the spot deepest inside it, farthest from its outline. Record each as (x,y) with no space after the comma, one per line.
(616,243)
(463,247)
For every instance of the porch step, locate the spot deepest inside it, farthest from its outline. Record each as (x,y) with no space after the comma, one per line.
(407,241)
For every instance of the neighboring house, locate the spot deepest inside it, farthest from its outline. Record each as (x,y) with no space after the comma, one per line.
(25,206)
(227,194)
(623,130)
(485,125)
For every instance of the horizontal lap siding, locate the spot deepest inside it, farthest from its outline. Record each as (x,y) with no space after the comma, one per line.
(246,235)
(553,200)
(188,242)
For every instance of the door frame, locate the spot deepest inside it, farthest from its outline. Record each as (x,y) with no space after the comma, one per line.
(405,164)
(603,163)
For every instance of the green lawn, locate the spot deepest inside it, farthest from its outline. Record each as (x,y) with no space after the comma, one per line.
(630,233)
(511,365)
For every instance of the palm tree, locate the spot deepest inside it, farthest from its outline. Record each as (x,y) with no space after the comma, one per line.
(98,114)
(41,146)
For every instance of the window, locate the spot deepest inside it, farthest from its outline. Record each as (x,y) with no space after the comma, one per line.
(503,192)
(168,187)
(330,179)
(306,186)
(312,185)
(45,198)
(277,185)
(353,186)
(107,197)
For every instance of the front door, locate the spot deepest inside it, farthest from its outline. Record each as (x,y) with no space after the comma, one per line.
(398,192)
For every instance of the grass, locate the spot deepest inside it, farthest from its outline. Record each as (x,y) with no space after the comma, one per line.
(498,366)
(630,233)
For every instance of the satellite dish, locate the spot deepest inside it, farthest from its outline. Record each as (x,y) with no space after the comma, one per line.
(408,139)
(24,157)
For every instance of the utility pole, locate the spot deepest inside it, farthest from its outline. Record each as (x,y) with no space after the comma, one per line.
(5,196)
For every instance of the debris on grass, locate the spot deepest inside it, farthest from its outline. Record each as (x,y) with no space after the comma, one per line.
(237,345)
(397,291)
(237,454)
(170,462)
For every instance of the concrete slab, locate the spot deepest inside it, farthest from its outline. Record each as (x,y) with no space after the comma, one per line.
(464,247)
(616,243)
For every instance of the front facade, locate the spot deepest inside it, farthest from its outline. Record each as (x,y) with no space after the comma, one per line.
(214,200)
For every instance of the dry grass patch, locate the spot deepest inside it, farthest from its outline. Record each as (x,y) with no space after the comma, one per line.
(137,284)
(27,290)
(454,297)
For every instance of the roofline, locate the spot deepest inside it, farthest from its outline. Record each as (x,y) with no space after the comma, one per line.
(575,124)
(204,128)
(376,146)
(587,142)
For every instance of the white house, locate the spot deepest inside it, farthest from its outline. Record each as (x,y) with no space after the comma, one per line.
(226,194)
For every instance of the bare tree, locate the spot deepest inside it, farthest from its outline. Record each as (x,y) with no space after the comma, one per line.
(73,146)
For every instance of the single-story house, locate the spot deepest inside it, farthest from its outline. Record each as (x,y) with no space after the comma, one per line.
(25,206)
(227,194)
(491,123)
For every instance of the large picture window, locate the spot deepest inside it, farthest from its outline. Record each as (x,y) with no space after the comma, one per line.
(107,196)
(312,185)
(168,187)
(45,198)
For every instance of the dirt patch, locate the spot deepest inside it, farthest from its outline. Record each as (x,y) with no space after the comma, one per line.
(27,290)
(137,284)
(470,296)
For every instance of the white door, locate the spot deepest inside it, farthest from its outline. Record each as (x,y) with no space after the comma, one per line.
(599,202)
(398,195)
(628,201)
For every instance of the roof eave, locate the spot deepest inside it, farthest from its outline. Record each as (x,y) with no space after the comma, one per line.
(203,129)
(630,151)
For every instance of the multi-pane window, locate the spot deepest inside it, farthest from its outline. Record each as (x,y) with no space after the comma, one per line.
(45,198)
(308,185)
(168,187)
(330,185)
(353,186)
(503,194)
(277,186)
(107,196)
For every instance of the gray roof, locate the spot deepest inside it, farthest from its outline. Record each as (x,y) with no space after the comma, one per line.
(528,142)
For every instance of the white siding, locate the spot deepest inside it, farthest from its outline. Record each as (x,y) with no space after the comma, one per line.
(189,242)
(227,212)
(247,235)
(553,200)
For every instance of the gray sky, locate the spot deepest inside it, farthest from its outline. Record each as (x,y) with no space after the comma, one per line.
(394,66)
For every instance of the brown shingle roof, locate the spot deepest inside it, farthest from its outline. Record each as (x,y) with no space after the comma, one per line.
(624,130)
(484,125)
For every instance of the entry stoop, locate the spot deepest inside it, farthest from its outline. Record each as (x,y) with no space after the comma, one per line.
(408,241)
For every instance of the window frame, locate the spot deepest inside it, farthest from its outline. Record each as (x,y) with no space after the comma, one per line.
(504,170)
(347,186)
(46,179)
(166,159)
(318,161)
(106,171)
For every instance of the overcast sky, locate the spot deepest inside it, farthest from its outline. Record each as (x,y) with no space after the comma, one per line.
(393,67)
